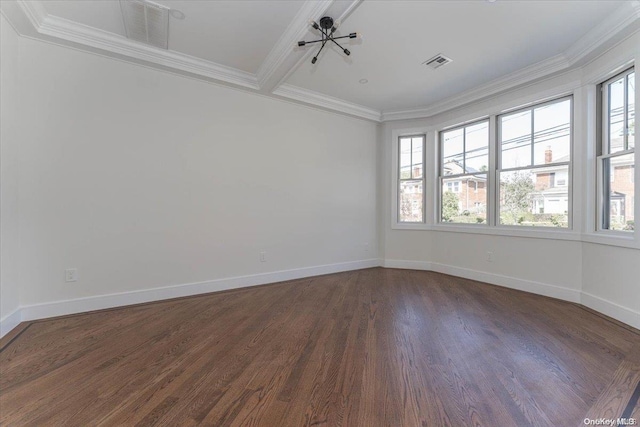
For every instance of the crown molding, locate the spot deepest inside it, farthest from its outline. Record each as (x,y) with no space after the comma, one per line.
(62,31)
(517,78)
(320,100)
(77,33)
(34,11)
(285,45)
(611,26)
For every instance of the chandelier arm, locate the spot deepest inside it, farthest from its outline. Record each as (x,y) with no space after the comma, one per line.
(320,50)
(321,47)
(341,37)
(315,41)
(337,44)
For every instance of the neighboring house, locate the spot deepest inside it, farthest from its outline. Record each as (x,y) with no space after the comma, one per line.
(470,185)
(621,196)
(552,187)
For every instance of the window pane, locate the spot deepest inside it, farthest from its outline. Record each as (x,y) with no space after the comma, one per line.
(452,151)
(552,133)
(405,172)
(515,131)
(619,192)
(416,171)
(535,197)
(464,199)
(416,158)
(477,147)
(405,152)
(631,111)
(411,201)
(616,116)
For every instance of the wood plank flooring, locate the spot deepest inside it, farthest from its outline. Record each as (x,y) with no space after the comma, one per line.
(375,347)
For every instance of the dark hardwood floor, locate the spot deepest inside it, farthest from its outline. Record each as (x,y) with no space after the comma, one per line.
(376,347)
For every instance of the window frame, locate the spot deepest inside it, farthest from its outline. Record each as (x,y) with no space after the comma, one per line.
(603,151)
(498,164)
(440,177)
(399,179)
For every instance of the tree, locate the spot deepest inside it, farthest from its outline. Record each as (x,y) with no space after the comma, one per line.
(450,206)
(517,190)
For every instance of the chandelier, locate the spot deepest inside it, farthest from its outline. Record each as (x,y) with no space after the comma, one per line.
(327,27)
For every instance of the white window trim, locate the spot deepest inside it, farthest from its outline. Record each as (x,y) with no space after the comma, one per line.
(395,179)
(607,235)
(570,186)
(583,175)
(440,177)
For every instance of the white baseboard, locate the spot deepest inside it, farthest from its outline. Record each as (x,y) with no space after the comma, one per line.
(611,309)
(616,311)
(80,305)
(407,265)
(539,288)
(9,322)
(554,291)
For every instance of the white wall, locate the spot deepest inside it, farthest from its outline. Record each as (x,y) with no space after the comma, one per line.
(9,143)
(142,179)
(577,267)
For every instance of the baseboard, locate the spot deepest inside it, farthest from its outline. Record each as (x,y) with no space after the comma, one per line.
(616,311)
(407,265)
(611,309)
(539,288)
(10,321)
(554,291)
(80,305)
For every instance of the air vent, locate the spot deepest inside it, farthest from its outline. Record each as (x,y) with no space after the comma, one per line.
(437,61)
(146,22)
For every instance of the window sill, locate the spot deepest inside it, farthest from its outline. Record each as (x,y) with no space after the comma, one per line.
(410,226)
(537,233)
(602,238)
(612,239)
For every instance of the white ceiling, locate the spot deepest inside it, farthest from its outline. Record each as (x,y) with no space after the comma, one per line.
(252,44)
(485,40)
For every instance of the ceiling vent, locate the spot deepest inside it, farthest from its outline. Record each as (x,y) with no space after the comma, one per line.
(146,22)
(437,61)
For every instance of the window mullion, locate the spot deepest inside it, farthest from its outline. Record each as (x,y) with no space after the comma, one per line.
(492,193)
(625,113)
(531,139)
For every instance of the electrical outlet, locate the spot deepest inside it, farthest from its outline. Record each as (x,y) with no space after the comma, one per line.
(71,275)
(366,247)
(490,256)
(263,256)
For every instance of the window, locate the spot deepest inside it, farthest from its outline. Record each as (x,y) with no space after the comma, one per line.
(616,159)
(453,186)
(411,179)
(534,148)
(464,162)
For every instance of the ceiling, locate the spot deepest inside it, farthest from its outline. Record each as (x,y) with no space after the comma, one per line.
(494,45)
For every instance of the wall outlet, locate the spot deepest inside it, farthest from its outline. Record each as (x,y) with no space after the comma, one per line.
(71,275)
(490,256)
(263,256)
(366,247)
